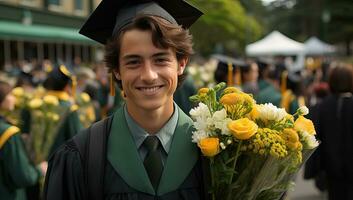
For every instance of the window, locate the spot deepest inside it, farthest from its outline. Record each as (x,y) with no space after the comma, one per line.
(78,5)
(54,2)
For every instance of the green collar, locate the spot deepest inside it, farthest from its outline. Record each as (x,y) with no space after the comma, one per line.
(124,157)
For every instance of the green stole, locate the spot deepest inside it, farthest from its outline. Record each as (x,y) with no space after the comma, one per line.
(124,157)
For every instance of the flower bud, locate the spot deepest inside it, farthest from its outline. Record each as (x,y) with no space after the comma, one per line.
(303,110)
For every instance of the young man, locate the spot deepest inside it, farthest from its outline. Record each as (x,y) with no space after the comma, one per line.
(148,153)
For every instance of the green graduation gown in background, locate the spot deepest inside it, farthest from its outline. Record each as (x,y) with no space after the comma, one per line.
(182,94)
(16,171)
(269,95)
(125,177)
(70,126)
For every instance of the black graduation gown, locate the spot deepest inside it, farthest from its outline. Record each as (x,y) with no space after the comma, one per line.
(124,179)
(334,124)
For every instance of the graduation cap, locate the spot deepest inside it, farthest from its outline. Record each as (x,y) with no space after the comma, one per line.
(112,15)
(227,67)
(59,77)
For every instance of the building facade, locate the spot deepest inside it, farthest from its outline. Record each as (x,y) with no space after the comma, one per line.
(45,29)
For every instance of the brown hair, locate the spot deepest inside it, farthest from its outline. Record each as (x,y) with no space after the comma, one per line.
(341,79)
(164,35)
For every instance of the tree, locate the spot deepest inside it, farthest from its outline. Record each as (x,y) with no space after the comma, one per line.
(330,20)
(225,25)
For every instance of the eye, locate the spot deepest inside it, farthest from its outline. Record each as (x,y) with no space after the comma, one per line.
(161,60)
(132,63)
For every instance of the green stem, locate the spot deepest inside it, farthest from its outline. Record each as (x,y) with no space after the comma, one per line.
(235,162)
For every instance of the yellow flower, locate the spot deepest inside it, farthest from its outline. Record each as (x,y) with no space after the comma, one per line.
(51,100)
(74,107)
(18,92)
(203,91)
(242,129)
(248,99)
(292,139)
(35,103)
(85,97)
(209,146)
(254,113)
(55,117)
(304,124)
(91,114)
(290,135)
(231,99)
(231,90)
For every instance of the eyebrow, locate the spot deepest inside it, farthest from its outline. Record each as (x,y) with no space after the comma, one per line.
(135,56)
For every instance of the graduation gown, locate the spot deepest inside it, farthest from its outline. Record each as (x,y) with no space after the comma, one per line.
(71,124)
(125,176)
(16,171)
(269,95)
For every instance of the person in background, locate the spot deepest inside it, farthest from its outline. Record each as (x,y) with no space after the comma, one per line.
(249,76)
(182,94)
(16,171)
(271,93)
(333,121)
(60,83)
(264,66)
(291,91)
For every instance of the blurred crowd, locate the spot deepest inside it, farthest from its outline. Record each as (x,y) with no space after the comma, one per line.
(45,104)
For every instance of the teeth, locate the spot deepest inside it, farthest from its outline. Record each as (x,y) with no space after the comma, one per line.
(149,89)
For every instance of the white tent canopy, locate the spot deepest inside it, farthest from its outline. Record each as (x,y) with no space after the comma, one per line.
(314,46)
(275,44)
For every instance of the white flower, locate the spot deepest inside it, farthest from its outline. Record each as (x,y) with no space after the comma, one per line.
(303,110)
(198,135)
(220,121)
(268,111)
(222,145)
(229,141)
(200,111)
(310,141)
(201,124)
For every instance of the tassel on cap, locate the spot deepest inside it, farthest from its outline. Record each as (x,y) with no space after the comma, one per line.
(230,74)
(238,76)
(284,76)
(74,85)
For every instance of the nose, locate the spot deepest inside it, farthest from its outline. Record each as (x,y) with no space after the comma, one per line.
(148,72)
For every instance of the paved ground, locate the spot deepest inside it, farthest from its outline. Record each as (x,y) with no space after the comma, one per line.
(305,190)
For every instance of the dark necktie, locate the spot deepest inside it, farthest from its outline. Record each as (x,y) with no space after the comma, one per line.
(153,161)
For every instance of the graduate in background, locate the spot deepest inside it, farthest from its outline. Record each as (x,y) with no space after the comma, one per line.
(271,93)
(144,150)
(61,83)
(16,170)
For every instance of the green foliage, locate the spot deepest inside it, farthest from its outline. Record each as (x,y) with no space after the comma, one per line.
(330,20)
(225,23)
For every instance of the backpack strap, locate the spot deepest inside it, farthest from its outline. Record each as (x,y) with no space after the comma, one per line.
(93,157)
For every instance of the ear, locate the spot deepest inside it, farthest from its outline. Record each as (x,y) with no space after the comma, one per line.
(117,74)
(181,65)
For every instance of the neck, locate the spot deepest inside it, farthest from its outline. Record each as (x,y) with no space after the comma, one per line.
(151,120)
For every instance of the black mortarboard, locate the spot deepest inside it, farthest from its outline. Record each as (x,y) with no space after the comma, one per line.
(112,15)
(59,77)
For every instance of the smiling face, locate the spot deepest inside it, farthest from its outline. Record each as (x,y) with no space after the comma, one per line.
(149,74)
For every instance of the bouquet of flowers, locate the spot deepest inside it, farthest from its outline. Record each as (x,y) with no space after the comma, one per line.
(253,150)
(21,100)
(46,117)
(85,110)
